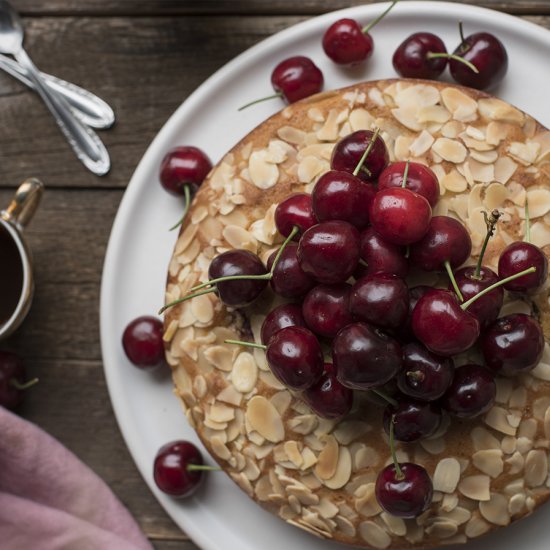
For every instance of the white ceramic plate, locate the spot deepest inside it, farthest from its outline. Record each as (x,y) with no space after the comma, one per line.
(220,516)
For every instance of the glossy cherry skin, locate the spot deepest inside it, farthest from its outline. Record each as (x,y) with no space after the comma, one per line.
(471,393)
(420,179)
(170,468)
(142,342)
(326,309)
(243,292)
(11,368)
(289,280)
(294,356)
(486,308)
(327,397)
(295,211)
(285,315)
(380,299)
(346,43)
(348,152)
(184,166)
(425,376)
(296,78)
(442,325)
(380,256)
(406,334)
(513,344)
(405,497)
(445,240)
(342,196)
(414,420)
(329,251)
(411,60)
(517,257)
(365,357)
(487,53)
(400,216)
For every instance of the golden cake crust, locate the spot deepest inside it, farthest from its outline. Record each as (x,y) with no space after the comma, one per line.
(319,474)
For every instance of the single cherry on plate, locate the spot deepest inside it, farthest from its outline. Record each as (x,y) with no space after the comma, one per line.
(347,43)
(412,57)
(327,397)
(293,79)
(12,380)
(142,342)
(184,168)
(288,279)
(295,211)
(326,309)
(285,315)
(471,393)
(513,344)
(414,420)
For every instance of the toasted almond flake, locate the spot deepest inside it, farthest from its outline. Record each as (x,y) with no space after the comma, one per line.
(539,203)
(303,424)
(202,309)
(462,107)
(542,371)
(485,157)
(365,501)
(309,168)
(433,113)
(220,357)
(190,253)
(238,237)
(407,117)
(516,463)
(245,372)
(221,413)
(360,119)
(450,150)
(291,135)
(329,130)
(374,535)
(446,475)
(315,114)
(265,419)
(184,240)
(219,448)
(476,527)
(328,459)
(540,234)
(496,109)
(442,528)
(480,171)
(516,504)
(495,510)
(281,401)
(476,487)
(489,462)
(401,147)
(475,146)
(497,419)
(495,196)
(230,396)
(293,452)
(395,525)
(525,153)
(454,182)
(536,468)
(343,470)
(263,174)
(421,144)
(452,129)
(508,444)
(418,95)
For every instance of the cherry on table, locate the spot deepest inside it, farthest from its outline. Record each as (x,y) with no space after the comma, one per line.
(288,279)
(326,309)
(184,168)
(412,57)
(513,344)
(285,315)
(12,380)
(295,211)
(414,420)
(142,342)
(518,256)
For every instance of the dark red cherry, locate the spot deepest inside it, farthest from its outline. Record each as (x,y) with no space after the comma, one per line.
(294,356)
(445,241)
(487,307)
(442,325)
(295,211)
(348,152)
(327,397)
(346,44)
(285,315)
(142,342)
(12,380)
(173,468)
(420,179)
(415,293)
(487,53)
(184,166)
(513,344)
(342,196)
(365,357)
(412,57)
(425,376)
(326,309)
(242,292)
(404,493)
(380,299)
(519,256)
(414,420)
(380,256)
(400,216)
(471,393)
(289,280)
(296,78)
(329,251)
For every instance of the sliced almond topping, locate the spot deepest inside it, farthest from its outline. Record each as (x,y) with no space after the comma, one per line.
(315,114)
(476,487)
(265,419)
(496,109)
(421,144)
(220,357)
(184,240)
(525,153)
(542,371)
(475,146)
(291,135)
(540,234)
(230,396)
(365,502)
(446,475)
(452,129)
(309,168)
(263,174)
(202,309)
(374,535)
(433,113)
(360,119)
(462,107)
(536,468)
(281,400)
(418,95)
(402,147)
(238,237)
(485,157)
(219,448)
(539,203)
(303,424)
(449,502)
(245,372)
(497,419)
(476,527)
(407,117)
(343,470)
(396,525)
(329,131)
(489,462)
(450,149)
(516,463)
(495,196)
(495,510)
(516,504)
(328,459)
(480,171)
(454,182)
(442,528)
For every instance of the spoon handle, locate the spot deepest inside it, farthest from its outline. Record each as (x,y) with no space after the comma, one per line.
(89,108)
(88,147)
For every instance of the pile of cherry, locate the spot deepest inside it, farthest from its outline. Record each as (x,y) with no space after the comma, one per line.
(348,248)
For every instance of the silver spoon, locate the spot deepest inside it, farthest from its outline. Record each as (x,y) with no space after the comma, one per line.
(88,147)
(89,108)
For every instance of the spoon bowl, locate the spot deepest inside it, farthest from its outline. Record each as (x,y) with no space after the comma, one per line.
(11,29)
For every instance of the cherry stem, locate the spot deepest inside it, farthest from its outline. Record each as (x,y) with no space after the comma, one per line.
(385,396)
(468,303)
(366,153)
(202,468)
(453,280)
(405,175)
(469,64)
(187,195)
(398,472)
(21,386)
(379,18)
(527,222)
(291,235)
(185,298)
(461,31)
(278,94)
(246,344)
(415,375)
(490,222)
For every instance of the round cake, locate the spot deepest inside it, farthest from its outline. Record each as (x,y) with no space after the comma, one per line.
(320,474)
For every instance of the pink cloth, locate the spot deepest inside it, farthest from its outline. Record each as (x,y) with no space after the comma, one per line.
(49,500)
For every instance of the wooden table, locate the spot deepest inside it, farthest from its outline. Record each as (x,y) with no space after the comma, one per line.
(144,57)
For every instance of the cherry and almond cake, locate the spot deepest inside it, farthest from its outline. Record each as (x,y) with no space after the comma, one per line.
(374,348)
